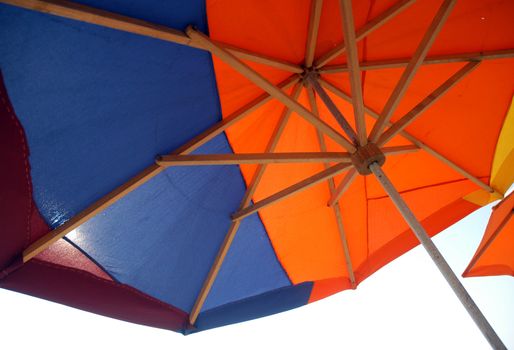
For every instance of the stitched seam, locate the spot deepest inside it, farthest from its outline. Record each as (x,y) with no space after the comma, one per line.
(124,286)
(25,160)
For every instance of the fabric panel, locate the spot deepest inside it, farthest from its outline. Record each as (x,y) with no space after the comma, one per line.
(85,291)
(98,105)
(258,306)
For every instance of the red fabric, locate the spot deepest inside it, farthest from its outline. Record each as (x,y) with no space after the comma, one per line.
(85,291)
(61,273)
(20,222)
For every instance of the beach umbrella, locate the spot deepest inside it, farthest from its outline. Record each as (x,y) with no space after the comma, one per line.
(494,255)
(155,183)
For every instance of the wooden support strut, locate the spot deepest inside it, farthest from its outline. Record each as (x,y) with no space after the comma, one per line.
(440,59)
(252,158)
(298,187)
(229,237)
(331,106)
(147,174)
(202,40)
(360,34)
(433,97)
(372,113)
(411,69)
(353,65)
(87,14)
(312,32)
(332,188)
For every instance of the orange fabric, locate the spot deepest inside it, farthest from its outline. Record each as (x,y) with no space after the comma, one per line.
(495,254)
(463,126)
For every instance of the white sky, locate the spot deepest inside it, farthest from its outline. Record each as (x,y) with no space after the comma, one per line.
(405,305)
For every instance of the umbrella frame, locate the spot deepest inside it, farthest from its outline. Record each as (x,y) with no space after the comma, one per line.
(364,155)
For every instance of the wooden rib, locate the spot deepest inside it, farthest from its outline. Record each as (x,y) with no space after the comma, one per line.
(252,158)
(411,69)
(369,27)
(491,239)
(78,12)
(331,106)
(312,32)
(287,192)
(141,178)
(440,59)
(260,81)
(342,187)
(213,272)
(353,64)
(263,59)
(394,150)
(331,188)
(415,141)
(229,237)
(415,112)
(102,18)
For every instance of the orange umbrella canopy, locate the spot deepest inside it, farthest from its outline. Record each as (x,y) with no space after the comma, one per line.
(455,137)
(495,254)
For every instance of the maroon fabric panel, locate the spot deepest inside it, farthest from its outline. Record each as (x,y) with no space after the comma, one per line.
(20,222)
(64,254)
(85,291)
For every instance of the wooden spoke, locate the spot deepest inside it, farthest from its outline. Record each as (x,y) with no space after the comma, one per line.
(287,192)
(229,237)
(263,59)
(270,148)
(102,18)
(411,69)
(415,141)
(331,106)
(353,64)
(141,178)
(342,187)
(393,150)
(252,158)
(78,12)
(213,272)
(365,31)
(312,33)
(332,188)
(408,118)
(441,59)
(260,81)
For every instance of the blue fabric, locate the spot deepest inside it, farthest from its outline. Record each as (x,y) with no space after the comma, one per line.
(262,305)
(250,267)
(98,104)
(163,237)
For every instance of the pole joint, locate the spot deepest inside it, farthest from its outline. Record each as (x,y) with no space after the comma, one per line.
(365,156)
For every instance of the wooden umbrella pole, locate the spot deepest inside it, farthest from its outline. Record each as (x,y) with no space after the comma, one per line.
(438,259)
